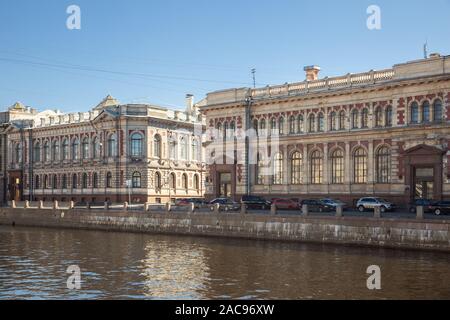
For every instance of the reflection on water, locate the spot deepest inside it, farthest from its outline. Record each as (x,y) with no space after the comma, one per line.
(33,265)
(173,272)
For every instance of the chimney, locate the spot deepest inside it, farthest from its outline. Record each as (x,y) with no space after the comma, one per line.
(312,73)
(189,103)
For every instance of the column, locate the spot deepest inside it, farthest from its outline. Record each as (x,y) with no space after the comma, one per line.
(347,167)
(325,163)
(305,169)
(370,164)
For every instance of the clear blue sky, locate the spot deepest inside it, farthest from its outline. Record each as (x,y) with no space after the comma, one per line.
(157,51)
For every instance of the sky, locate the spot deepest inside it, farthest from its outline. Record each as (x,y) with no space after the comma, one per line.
(149,51)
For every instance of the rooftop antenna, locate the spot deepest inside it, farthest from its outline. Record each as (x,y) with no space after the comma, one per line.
(425,49)
(254,77)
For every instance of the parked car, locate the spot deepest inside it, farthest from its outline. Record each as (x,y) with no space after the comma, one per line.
(225,204)
(317,206)
(440,207)
(255,202)
(198,203)
(335,203)
(370,203)
(426,204)
(286,204)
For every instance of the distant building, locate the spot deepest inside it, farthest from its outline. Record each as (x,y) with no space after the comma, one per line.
(380,133)
(17,112)
(114,153)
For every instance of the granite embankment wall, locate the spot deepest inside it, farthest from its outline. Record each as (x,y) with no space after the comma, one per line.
(413,234)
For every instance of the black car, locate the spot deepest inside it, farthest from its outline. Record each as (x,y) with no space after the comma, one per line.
(426,204)
(317,206)
(255,202)
(440,207)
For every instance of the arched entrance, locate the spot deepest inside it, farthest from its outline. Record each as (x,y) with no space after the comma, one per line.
(15,185)
(424,172)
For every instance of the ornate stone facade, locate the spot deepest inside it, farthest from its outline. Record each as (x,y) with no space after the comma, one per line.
(345,137)
(113,153)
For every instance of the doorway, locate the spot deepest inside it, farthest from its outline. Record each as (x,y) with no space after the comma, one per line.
(423,165)
(424,183)
(225,185)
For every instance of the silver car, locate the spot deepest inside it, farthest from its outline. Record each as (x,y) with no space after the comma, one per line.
(370,203)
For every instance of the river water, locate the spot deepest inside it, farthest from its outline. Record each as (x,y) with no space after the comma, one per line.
(34,262)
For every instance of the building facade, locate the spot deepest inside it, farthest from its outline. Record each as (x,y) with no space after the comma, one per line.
(381,133)
(116,153)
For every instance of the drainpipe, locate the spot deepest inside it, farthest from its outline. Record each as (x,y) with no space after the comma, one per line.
(30,165)
(248,104)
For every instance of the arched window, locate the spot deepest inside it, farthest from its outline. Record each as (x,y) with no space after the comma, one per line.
(37,182)
(296,168)
(95,180)
(85,149)
(414,112)
(355,116)
(109,180)
(337,167)
(173,181)
(74,181)
(426,112)
(342,120)
(333,122)
(75,149)
(437,111)
(383,165)
(172,149)
(55,151)
(46,151)
(312,123)
(95,149)
(291,125)
(300,124)
(112,145)
(137,143)
(84,181)
(320,123)
(388,117)
(278,169)
(65,149)
(196,182)
(273,126)
(55,182)
(259,170)
(226,130)
(360,165)
(379,117)
(365,118)
(281,126)
(195,150)
(158,181)
(136,180)
(37,152)
(232,130)
(262,126)
(157,146)
(18,153)
(184,182)
(219,133)
(45,182)
(316,167)
(255,126)
(183,148)
(64,182)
